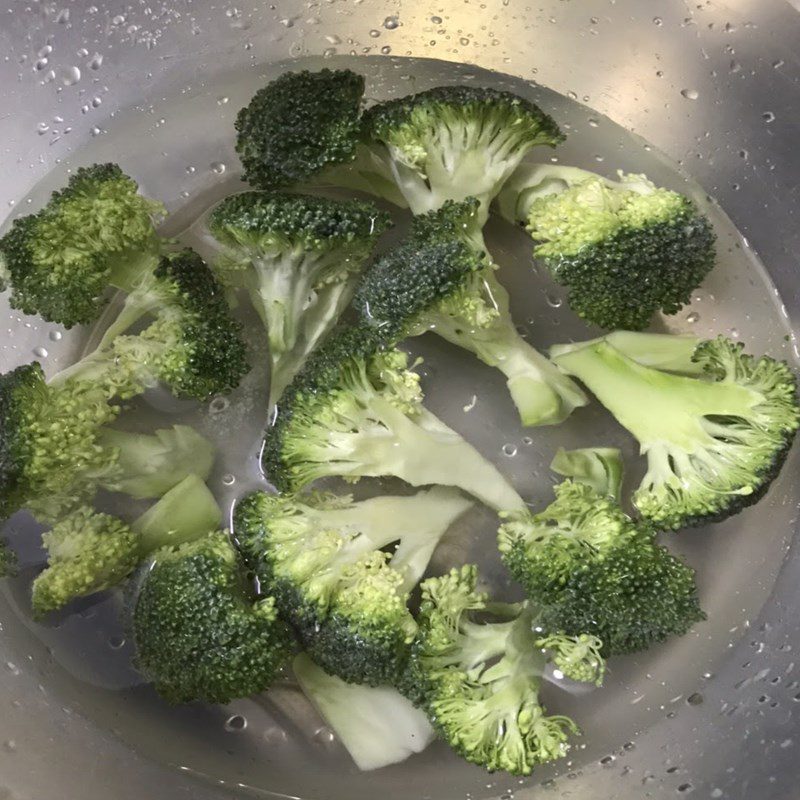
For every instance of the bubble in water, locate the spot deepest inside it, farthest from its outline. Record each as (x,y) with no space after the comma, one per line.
(235,723)
(63,16)
(190,170)
(436,20)
(695,699)
(274,735)
(69,75)
(692,317)
(374,33)
(55,336)
(82,53)
(218,167)
(118,20)
(768,116)
(553,300)
(390,23)
(218,405)
(526,440)
(658,21)
(45,51)
(690,94)
(509,450)
(96,61)
(386,50)
(116,642)
(228,480)
(593,122)
(40,64)
(778,64)
(95,131)
(685,788)
(10,745)
(464,41)
(606,761)
(716,793)
(734,333)
(97,102)
(40,352)
(324,736)
(42,128)
(222,101)
(233,13)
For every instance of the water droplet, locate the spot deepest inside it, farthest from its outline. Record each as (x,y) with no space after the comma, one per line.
(778,64)
(40,352)
(744,154)
(118,20)
(734,334)
(685,788)
(190,170)
(374,33)
(55,336)
(628,746)
(228,480)
(42,128)
(116,642)
(572,95)
(233,13)
(218,405)
(695,699)
(235,723)
(274,735)
(287,23)
(768,116)
(69,76)
(593,122)
(690,94)
(436,20)
(692,317)
(45,51)
(553,300)
(63,16)
(96,61)
(12,668)
(390,23)
(658,21)
(95,131)
(607,760)
(218,167)
(509,450)
(40,64)
(324,736)
(734,67)
(97,102)
(386,50)
(221,101)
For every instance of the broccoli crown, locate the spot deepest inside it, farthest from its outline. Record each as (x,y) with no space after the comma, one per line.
(195,344)
(623,254)
(87,552)
(61,260)
(298,124)
(198,634)
(593,570)
(480,680)
(260,222)
(713,444)
(50,457)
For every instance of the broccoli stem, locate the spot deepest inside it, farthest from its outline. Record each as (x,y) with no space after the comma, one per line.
(151,464)
(130,268)
(185,512)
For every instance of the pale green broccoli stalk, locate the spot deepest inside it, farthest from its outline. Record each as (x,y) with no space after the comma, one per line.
(89,552)
(598,467)
(299,258)
(713,443)
(96,233)
(478,668)
(623,249)
(326,561)
(376,724)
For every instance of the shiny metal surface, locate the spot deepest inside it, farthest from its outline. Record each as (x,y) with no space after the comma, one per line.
(715,85)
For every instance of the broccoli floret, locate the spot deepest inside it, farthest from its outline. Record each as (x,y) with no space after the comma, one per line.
(454,142)
(192,344)
(592,569)
(376,724)
(473,312)
(89,552)
(56,451)
(299,257)
(479,675)
(8,560)
(297,125)
(95,233)
(624,250)
(598,467)
(324,560)
(355,410)
(199,633)
(713,443)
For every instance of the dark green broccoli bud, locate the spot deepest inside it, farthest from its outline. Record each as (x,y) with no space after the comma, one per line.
(713,443)
(299,258)
(479,675)
(376,724)
(89,552)
(96,233)
(442,280)
(56,449)
(199,633)
(453,142)
(323,559)
(193,344)
(598,467)
(592,569)
(8,560)
(624,250)
(355,410)
(297,125)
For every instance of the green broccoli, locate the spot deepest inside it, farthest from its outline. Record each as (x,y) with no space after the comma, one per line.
(598,467)
(95,233)
(454,142)
(56,449)
(89,552)
(713,443)
(323,559)
(624,250)
(198,632)
(592,569)
(376,724)
(192,343)
(299,257)
(477,669)
(474,313)
(355,410)
(8,560)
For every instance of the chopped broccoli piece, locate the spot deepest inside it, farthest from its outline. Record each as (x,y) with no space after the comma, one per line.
(598,467)
(299,257)
(198,632)
(95,233)
(8,560)
(624,250)
(479,675)
(355,410)
(297,125)
(592,569)
(89,552)
(376,724)
(193,344)
(453,142)
(713,443)
(400,293)
(323,559)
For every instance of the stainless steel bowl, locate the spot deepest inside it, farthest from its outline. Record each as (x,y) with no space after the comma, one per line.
(714,85)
